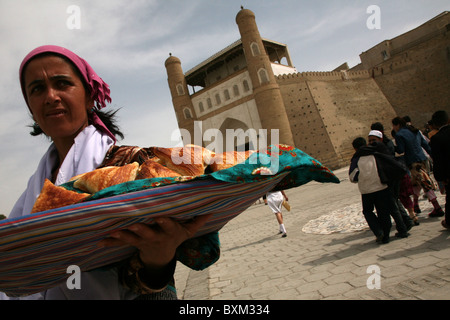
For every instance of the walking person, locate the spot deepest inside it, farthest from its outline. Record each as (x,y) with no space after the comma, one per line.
(410,142)
(375,139)
(374,193)
(275,202)
(440,152)
(409,218)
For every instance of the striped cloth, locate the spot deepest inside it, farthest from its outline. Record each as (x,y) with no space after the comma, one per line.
(36,250)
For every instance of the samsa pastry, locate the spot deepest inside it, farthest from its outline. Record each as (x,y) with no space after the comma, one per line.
(190,160)
(151,169)
(105,177)
(206,153)
(228,159)
(52,197)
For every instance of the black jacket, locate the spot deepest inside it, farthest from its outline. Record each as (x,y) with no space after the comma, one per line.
(389,169)
(440,153)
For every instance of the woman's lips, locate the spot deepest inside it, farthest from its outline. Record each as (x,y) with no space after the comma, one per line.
(56,113)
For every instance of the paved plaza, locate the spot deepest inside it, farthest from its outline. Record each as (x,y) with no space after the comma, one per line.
(329,253)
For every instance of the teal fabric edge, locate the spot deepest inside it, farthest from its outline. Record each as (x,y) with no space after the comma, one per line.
(259,166)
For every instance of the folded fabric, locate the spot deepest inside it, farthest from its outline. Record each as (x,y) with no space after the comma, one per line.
(36,250)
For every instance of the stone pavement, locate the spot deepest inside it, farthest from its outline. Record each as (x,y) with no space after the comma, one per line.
(328,254)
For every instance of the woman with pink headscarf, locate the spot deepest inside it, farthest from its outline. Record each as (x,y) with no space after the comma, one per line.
(64,96)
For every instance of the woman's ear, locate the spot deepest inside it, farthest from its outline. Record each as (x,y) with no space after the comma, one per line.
(90,104)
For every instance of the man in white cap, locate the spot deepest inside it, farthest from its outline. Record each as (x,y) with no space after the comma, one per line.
(375,194)
(375,136)
(363,170)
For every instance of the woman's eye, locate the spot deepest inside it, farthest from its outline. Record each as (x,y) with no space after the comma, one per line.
(36,89)
(63,83)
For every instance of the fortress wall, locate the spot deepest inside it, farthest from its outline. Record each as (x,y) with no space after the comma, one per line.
(327,113)
(348,108)
(417,81)
(306,123)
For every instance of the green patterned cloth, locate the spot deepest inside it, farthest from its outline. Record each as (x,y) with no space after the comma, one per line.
(260,165)
(201,252)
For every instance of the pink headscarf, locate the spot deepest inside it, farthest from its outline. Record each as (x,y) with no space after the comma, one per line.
(98,88)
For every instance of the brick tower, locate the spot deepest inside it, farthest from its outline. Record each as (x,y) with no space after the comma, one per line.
(181,99)
(266,90)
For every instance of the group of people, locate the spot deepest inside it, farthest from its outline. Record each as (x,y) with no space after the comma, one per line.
(390,172)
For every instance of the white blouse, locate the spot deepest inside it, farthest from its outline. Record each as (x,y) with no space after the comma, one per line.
(86,154)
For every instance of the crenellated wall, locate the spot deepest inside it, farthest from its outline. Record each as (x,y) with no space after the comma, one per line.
(323,75)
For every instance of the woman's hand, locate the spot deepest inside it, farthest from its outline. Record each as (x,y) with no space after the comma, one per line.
(156,243)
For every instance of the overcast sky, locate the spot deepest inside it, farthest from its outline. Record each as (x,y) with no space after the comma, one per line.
(128,41)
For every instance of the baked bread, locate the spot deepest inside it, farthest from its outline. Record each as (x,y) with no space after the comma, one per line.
(206,153)
(228,159)
(52,197)
(190,160)
(105,177)
(151,169)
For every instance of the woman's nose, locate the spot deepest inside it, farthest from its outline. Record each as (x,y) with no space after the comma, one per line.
(52,96)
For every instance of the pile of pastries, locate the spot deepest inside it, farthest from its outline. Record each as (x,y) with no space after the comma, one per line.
(190,160)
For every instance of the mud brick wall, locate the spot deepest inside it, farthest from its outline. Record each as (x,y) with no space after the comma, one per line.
(327,110)
(417,81)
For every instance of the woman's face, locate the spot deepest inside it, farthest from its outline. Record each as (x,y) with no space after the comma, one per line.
(56,97)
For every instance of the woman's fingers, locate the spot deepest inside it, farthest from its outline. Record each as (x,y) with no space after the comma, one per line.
(118,238)
(194,225)
(140,234)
